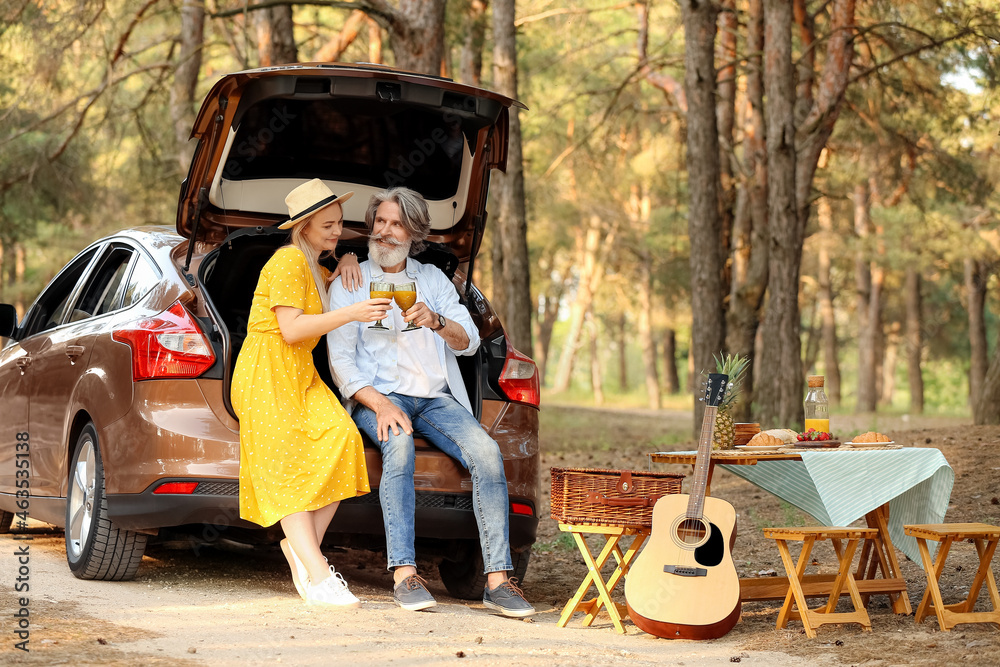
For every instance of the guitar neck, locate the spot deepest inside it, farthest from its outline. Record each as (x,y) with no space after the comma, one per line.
(696,499)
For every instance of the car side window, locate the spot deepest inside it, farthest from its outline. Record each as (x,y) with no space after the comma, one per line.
(102,290)
(52,305)
(144,278)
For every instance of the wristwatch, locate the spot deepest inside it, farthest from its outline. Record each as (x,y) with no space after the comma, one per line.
(441,323)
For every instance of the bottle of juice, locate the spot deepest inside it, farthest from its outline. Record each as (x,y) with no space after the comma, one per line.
(817,407)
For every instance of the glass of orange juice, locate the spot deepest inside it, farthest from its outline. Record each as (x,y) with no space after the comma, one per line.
(406,295)
(380,291)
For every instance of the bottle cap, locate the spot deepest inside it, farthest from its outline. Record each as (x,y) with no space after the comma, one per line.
(815,380)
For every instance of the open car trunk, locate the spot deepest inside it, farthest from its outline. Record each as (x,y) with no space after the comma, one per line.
(229,276)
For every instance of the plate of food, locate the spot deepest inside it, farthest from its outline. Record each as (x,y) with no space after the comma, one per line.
(815,439)
(818,444)
(769,441)
(760,448)
(869,440)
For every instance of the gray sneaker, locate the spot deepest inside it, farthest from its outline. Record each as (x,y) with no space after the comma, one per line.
(412,594)
(508,599)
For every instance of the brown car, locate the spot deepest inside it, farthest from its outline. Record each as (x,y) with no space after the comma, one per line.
(114,388)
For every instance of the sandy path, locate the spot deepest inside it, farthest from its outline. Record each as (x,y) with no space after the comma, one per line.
(241,609)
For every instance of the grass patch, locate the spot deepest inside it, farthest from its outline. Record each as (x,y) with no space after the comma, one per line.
(562,542)
(564,429)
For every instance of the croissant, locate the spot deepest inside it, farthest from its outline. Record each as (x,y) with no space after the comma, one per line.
(765,439)
(872,436)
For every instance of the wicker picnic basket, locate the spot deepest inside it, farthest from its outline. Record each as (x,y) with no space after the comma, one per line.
(609,497)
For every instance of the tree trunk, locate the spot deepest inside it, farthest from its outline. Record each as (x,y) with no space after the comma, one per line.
(704,228)
(865,297)
(831,365)
(726,114)
(781,402)
(511,218)
(182,93)
(19,267)
(975,290)
(374,42)
(596,379)
(590,265)
(750,234)
(546,323)
(275,36)
(877,326)
(889,357)
(987,409)
(673,383)
(914,340)
(692,382)
(620,323)
(779,390)
(470,66)
(416,33)
(334,49)
(646,341)
(814,333)
(5,264)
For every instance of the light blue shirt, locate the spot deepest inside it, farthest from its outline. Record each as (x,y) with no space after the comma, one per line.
(362,357)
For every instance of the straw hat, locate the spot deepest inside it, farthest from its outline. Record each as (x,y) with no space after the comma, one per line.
(308,198)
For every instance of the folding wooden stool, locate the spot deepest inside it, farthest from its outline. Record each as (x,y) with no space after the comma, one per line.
(813,618)
(985,538)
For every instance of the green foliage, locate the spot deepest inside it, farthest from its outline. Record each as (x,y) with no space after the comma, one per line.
(87,145)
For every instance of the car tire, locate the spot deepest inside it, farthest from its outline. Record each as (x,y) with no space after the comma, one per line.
(6,519)
(464,578)
(95,547)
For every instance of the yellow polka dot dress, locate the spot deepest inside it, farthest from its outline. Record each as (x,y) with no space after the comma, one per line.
(299,449)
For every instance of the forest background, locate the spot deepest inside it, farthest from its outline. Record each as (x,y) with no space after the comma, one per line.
(811,183)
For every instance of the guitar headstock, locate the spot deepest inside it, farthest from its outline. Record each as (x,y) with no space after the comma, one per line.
(716,388)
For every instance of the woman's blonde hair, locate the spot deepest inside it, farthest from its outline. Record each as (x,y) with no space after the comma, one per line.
(298,240)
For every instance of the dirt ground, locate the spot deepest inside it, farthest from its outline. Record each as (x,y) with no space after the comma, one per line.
(232,606)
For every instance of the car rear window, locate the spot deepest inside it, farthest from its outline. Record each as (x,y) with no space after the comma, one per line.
(349,140)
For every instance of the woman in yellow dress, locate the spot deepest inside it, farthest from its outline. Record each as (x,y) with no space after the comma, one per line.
(300,452)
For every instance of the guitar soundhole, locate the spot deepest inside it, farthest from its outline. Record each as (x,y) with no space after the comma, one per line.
(691,531)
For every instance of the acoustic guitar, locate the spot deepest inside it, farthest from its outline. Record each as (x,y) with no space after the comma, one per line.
(684,583)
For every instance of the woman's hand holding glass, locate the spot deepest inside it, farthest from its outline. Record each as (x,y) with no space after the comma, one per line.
(381,291)
(370,310)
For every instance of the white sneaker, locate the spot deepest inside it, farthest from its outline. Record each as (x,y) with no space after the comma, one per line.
(332,591)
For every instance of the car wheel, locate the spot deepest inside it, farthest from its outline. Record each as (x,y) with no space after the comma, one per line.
(464,577)
(6,518)
(95,547)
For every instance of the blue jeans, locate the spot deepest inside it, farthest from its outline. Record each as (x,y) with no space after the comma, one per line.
(451,428)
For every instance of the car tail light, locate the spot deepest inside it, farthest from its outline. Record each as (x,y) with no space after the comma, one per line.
(521,508)
(519,378)
(177,487)
(168,345)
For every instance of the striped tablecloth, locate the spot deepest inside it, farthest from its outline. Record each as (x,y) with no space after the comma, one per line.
(839,487)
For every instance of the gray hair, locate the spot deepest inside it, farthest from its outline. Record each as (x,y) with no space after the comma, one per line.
(412,211)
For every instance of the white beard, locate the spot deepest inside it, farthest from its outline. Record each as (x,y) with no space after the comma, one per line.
(388,256)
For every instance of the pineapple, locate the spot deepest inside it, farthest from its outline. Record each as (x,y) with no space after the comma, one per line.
(735,367)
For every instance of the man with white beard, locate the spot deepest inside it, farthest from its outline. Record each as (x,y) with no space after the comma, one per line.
(405,381)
